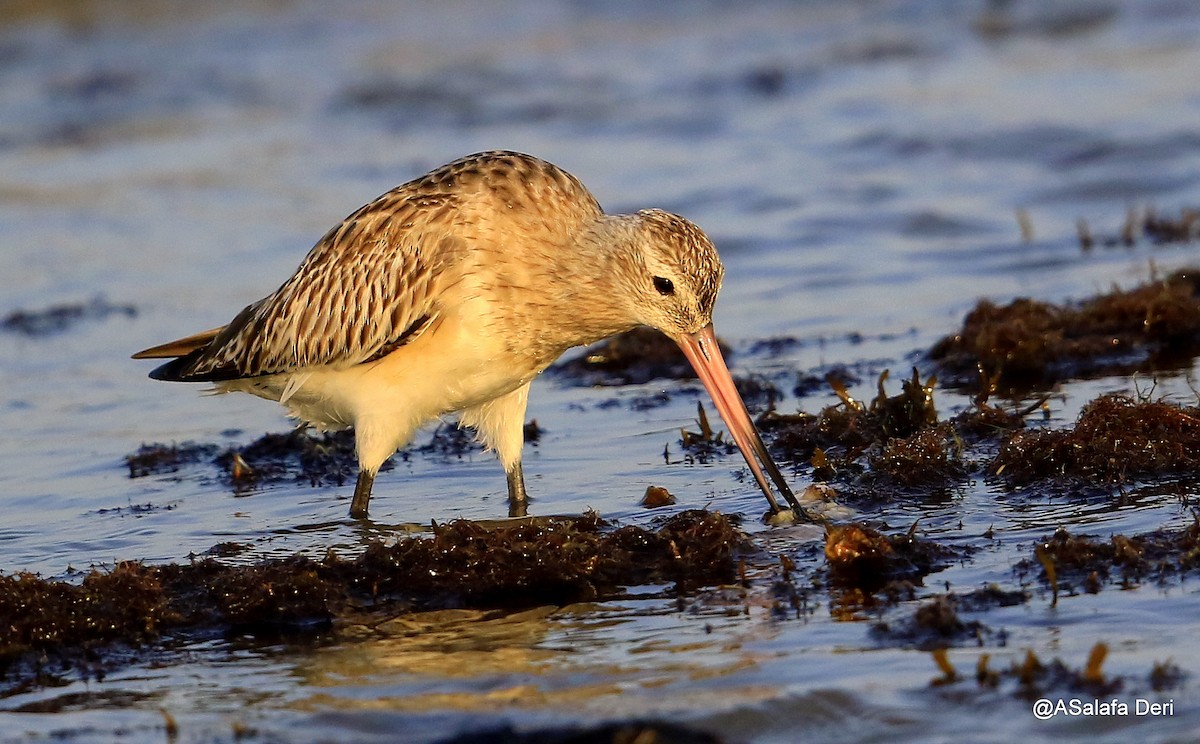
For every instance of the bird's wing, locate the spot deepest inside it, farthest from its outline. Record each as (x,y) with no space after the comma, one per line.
(369,286)
(179,347)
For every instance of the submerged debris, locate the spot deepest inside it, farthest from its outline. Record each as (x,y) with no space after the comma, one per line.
(1166,675)
(986,422)
(1031,678)
(934,624)
(153,459)
(992,595)
(539,563)
(1084,563)
(851,424)
(898,441)
(867,571)
(949,673)
(758,393)
(450,441)
(634,732)
(58,318)
(1034,678)
(1031,343)
(532,432)
(1159,229)
(1182,229)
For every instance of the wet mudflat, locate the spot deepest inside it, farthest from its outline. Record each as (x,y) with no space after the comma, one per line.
(959,300)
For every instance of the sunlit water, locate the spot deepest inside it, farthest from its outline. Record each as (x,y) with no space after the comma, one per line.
(860,166)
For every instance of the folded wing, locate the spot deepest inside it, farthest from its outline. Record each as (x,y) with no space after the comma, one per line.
(369,286)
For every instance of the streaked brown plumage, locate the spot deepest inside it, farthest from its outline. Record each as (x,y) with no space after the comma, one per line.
(452,292)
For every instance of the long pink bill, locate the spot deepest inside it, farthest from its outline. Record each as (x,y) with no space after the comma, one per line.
(702,351)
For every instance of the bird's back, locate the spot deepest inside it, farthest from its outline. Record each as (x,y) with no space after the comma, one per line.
(379,278)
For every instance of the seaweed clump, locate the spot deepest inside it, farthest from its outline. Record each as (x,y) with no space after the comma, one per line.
(853,425)
(1028,343)
(463,564)
(302,455)
(922,458)
(898,436)
(866,570)
(861,557)
(1116,438)
(319,459)
(325,459)
(539,562)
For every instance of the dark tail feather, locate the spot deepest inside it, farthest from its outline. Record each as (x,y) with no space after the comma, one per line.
(176,370)
(186,352)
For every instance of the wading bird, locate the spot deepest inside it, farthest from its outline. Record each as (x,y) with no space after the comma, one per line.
(451,293)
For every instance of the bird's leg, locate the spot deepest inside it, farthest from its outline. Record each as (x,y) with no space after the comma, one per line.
(362,494)
(500,423)
(518,499)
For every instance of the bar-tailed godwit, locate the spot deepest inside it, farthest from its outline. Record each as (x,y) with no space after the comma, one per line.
(451,293)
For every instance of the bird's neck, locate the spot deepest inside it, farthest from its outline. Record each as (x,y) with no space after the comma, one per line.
(562,293)
(598,272)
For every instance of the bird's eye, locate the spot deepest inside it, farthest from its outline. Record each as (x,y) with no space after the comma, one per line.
(664,285)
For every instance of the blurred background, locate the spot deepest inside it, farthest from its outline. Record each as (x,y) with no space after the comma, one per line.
(867,169)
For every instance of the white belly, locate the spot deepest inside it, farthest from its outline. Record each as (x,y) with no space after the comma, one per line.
(386,401)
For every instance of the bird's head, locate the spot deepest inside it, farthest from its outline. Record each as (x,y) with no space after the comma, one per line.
(677,274)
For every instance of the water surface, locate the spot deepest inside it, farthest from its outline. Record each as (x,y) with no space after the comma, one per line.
(860,166)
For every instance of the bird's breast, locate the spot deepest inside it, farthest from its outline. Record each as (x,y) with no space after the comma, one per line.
(462,361)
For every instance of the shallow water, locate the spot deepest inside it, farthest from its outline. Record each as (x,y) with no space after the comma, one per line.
(860,166)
